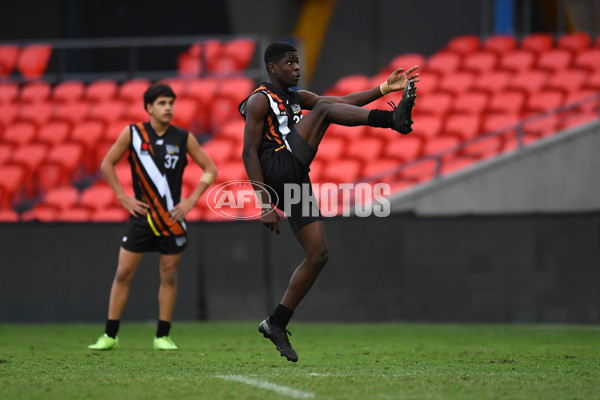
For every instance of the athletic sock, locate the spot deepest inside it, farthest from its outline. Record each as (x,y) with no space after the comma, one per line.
(281,316)
(381,118)
(112,327)
(163,328)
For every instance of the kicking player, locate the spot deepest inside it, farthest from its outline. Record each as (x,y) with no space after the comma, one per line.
(157,155)
(279,146)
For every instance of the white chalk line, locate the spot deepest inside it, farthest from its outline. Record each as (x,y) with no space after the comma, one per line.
(284,390)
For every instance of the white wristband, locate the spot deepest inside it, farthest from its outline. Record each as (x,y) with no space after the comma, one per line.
(384,88)
(208,178)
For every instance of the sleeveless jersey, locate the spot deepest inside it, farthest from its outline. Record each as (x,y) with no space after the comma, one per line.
(157,164)
(284,113)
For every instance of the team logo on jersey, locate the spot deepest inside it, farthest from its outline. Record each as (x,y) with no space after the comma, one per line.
(172,149)
(296,108)
(145,148)
(281,109)
(160,142)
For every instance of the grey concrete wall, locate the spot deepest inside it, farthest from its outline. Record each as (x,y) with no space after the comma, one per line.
(558,174)
(528,268)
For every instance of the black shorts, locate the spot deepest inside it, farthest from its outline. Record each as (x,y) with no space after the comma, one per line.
(140,238)
(287,178)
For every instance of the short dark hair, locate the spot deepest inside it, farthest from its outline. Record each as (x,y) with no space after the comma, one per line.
(157,90)
(276,51)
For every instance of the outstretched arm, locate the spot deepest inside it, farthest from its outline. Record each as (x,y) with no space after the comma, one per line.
(257,109)
(395,82)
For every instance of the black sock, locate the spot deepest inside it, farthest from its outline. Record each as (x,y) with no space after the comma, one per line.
(281,316)
(381,118)
(163,328)
(112,327)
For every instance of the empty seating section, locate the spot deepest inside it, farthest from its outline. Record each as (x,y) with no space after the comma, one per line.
(476,98)
(54,136)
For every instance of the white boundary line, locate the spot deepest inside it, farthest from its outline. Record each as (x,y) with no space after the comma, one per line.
(284,390)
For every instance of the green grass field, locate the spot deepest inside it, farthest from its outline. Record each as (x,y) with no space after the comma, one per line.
(337,361)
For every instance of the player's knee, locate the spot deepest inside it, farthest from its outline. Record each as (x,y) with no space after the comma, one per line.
(322,107)
(169,275)
(320,258)
(123,275)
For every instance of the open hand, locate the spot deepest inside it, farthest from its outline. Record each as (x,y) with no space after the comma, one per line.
(398,79)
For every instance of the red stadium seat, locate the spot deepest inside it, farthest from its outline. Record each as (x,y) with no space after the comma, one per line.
(507,103)
(212,50)
(331,149)
(219,150)
(437,104)
(405,61)
(440,144)
(427,126)
(54,132)
(38,113)
(517,61)
(443,63)
(365,149)
(97,197)
(382,170)
(241,51)
(9,92)
(555,60)
(33,60)
(500,44)
(544,100)
(428,83)
(480,62)
(539,128)
(529,82)
(8,115)
(72,112)
(233,131)
(348,133)
(537,42)
(177,84)
(41,213)
(185,114)
(30,156)
(11,179)
(135,112)
(587,100)
(464,127)
(101,91)
(62,165)
(8,215)
(350,84)
(202,90)
(457,83)
(483,148)
(567,81)
(231,171)
(189,62)
(471,103)
(592,82)
(19,133)
(403,148)
(61,198)
(75,214)
(68,91)
(133,91)
(236,89)
(342,171)
(499,122)
(463,45)
(421,171)
(107,111)
(112,214)
(89,134)
(9,54)
(574,41)
(35,92)
(588,59)
(6,151)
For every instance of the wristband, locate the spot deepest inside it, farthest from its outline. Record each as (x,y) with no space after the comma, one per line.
(208,178)
(384,88)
